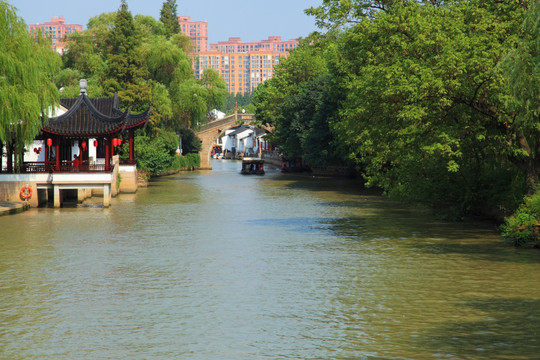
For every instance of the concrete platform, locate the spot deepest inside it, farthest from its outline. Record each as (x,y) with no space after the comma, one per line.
(8,208)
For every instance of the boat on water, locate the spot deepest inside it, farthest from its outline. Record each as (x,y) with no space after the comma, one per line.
(217,152)
(252,166)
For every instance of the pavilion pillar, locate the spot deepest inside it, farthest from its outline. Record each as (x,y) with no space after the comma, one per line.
(107,154)
(106,195)
(84,153)
(57,154)
(56,196)
(131,147)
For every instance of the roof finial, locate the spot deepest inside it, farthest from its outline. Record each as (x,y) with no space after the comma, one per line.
(83,85)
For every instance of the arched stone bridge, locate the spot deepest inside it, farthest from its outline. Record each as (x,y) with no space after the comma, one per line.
(209,133)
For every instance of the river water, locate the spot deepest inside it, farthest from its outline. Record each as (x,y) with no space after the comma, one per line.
(216,265)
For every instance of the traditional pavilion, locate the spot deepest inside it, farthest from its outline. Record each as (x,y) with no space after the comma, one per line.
(89,123)
(74,154)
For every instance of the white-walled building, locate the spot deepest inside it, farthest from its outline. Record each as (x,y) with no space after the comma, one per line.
(243,139)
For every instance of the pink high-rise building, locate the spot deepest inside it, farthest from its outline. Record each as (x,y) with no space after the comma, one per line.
(56,29)
(235,45)
(196,31)
(243,65)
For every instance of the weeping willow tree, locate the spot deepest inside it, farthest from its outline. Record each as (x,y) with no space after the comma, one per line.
(27,67)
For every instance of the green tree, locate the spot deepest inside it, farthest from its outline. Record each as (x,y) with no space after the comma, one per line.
(99,28)
(423,112)
(232,100)
(183,42)
(189,104)
(332,14)
(136,58)
(169,18)
(521,69)
(216,89)
(191,144)
(148,27)
(166,62)
(126,72)
(155,154)
(282,100)
(84,56)
(67,78)
(162,109)
(27,89)
(318,104)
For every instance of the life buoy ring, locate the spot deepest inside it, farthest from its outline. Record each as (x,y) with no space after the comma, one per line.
(26,192)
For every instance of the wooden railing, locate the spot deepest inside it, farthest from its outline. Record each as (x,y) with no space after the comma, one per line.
(65,166)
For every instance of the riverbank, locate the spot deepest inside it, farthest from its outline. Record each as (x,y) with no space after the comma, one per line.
(9,208)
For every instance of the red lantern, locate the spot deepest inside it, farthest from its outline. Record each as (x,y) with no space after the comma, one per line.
(49,142)
(119,142)
(95,143)
(39,150)
(114,142)
(83,144)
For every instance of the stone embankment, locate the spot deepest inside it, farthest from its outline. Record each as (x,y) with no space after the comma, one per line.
(8,208)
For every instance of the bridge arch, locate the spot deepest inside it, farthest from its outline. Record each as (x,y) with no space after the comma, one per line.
(211,131)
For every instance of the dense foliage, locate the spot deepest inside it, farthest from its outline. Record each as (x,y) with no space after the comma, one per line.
(432,101)
(27,90)
(238,102)
(168,17)
(523,227)
(146,62)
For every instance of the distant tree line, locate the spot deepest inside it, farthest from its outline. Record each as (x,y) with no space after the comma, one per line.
(432,101)
(238,101)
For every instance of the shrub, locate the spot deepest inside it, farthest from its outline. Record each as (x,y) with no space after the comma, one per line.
(194,160)
(190,142)
(155,154)
(188,161)
(522,229)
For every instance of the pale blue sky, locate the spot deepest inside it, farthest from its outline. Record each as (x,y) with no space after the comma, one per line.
(254,19)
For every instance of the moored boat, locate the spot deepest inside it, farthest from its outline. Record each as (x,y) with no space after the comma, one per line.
(252,166)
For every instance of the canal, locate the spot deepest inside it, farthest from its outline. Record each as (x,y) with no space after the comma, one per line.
(216,265)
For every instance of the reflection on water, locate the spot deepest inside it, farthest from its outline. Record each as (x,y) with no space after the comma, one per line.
(216,265)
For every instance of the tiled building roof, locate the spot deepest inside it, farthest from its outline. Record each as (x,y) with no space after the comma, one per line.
(93,117)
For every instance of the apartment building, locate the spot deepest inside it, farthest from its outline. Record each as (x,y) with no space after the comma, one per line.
(235,45)
(56,29)
(197,31)
(242,72)
(243,66)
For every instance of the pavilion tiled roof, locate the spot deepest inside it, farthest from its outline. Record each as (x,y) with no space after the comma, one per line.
(135,120)
(103,105)
(93,117)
